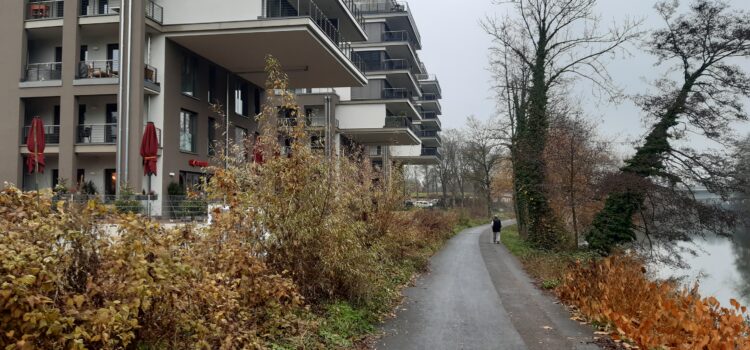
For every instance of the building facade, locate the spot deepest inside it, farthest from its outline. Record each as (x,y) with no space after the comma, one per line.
(97,71)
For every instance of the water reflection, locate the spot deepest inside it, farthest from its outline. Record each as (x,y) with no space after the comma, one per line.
(722,265)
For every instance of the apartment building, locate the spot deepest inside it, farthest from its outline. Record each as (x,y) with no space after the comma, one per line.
(395,117)
(97,71)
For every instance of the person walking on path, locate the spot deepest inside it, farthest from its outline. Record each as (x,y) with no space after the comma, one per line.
(497,226)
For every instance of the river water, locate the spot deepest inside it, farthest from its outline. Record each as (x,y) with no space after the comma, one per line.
(722,265)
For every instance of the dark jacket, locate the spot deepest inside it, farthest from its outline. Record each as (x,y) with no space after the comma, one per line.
(497,225)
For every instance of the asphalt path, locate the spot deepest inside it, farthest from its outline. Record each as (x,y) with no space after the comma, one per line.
(477,296)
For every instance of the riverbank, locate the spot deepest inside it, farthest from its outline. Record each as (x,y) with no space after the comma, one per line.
(617,297)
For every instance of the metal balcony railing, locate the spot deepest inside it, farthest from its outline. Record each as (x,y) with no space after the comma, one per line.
(154,12)
(356,12)
(97,134)
(429,97)
(95,69)
(431,152)
(51,134)
(429,115)
(43,71)
(100,7)
(150,74)
(382,6)
(399,36)
(429,134)
(396,93)
(426,77)
(44,9)
(399,122)
(386,65)
(310,122)
(308,8)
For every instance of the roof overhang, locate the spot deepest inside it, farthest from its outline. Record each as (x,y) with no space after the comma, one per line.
(309,57)
(382,136)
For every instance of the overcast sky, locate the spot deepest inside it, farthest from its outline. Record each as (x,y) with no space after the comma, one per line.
(455,48)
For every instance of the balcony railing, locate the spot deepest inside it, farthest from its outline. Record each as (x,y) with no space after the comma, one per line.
(100,7)
(154,12)
(356,12)
(382,6)
(396,93)
(431,152)
(44,9)
(429,115)
(308,8)
(151,74)
(98,69)
(399,36)
(97,134)
(429,97)
(429,134)
(376,151)
(426,77)
(399,122)
(310,122)
(43,71)
(386,65)
(51,134)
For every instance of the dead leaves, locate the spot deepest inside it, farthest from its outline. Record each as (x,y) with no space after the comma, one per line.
(652,315)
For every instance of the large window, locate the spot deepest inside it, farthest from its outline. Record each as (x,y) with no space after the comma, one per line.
(188,136)
(212,95)
(189,75)
(241,101)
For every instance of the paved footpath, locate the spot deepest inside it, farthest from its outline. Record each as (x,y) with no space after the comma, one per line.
(478,297)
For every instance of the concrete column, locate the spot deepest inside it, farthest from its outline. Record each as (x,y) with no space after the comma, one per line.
(68,105)
(132,106)
(13,39)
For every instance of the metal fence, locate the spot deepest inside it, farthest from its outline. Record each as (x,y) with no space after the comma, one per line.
(44,9)
(97,134)
(154,12)
(43,71)
(395,93)
(51,134)
(100,7)
(94,69)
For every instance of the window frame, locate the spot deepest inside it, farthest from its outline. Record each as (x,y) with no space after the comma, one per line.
(192,127)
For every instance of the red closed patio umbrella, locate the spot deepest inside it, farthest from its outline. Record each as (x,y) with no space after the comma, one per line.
(149,149)
(35,142)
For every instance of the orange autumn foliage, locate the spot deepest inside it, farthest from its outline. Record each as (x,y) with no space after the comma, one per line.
(653,314)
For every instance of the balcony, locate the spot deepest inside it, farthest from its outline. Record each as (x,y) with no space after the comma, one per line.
(97,134)
(431,118)
(98,69)
(51,134)
(313,122)
(40,10)
(100,7)
(308,8)
(430,137)
(399,36)
(154,12)
(395,130)
(386,65)
(395,94)
(397,13)
(431,152)
(242,42)
(430,103)
(430,84)
(43,71)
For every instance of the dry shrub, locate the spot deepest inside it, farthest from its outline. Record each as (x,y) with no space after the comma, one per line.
(71,282)
(653,315)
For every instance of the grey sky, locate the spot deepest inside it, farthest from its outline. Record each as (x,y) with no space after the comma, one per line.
(455,48)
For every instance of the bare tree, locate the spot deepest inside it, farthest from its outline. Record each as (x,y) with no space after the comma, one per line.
(557,40)
(706,98)
(483,155)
